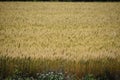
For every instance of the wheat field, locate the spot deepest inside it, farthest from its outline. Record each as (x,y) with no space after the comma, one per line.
(77,38)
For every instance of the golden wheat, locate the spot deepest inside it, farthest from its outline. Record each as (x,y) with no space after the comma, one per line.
(77,37)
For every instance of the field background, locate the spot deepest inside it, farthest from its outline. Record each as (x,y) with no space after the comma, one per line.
(76,38)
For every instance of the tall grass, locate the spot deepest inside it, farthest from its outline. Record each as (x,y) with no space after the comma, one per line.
(77,38)
(40,65)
